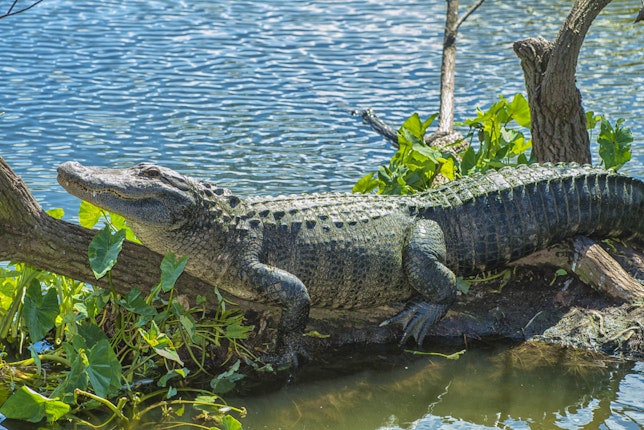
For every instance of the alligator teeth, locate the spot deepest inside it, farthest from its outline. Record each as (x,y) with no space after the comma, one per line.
(93,193)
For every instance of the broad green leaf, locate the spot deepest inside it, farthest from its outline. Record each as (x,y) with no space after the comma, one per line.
(135,302)
(188,324)
(414,126)
(27,405)
(230,423)
(88,215)
(56,213)
(174,373)
(104,250)
(76,378)
(468,161)
(448,168)
(87,335)
(171,269)
(366,184)
(120,223)
(226,381)
(520,110)
(40,311)
(592,120)
(160,342)
(614,144)
(235,329)
(462,285)
(421,147)
(103,369)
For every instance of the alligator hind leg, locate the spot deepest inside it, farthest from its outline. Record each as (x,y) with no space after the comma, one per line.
(423,260)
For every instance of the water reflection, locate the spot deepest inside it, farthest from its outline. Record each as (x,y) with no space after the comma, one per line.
(531,386)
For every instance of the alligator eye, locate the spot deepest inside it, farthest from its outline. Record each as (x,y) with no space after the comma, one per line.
(152,172)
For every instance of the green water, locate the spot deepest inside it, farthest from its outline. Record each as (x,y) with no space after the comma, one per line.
(510,387)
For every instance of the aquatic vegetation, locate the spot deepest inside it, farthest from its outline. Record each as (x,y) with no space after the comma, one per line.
(84,349)
(497,137)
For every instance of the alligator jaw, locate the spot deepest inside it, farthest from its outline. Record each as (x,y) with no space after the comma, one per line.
(139,198)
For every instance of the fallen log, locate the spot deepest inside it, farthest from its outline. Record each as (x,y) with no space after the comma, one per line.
(530,305)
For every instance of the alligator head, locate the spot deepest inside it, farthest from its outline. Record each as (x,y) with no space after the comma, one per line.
(147,195)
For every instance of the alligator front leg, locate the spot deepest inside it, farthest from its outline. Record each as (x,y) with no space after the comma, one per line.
(286,289)
(423,260)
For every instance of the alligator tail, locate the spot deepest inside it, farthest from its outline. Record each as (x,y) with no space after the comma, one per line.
(493,218)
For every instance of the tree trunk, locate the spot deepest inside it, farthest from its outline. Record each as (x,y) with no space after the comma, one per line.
(448,69)
(558,118)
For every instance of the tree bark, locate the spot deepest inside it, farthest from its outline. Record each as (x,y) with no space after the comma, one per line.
(558,118)
(448,69)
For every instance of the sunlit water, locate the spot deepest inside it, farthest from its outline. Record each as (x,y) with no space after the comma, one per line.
(256,96)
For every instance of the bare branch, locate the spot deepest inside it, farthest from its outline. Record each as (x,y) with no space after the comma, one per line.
(469,12)
(11,12)
(378,125)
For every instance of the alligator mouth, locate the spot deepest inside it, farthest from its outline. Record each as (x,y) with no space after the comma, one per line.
(90,183)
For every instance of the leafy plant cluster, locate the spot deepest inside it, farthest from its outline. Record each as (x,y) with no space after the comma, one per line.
(497,137)
(89,348)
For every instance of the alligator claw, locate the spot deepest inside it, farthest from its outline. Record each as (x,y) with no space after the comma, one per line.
(288,352)
(417,318)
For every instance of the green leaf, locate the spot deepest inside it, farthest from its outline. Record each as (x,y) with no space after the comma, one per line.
(519,110)
(87,335)
(120,223)
(103,369)
(160,342)
(76,378)
(27,405)
(56,213)
(40,311)
(171,269)
(614,144)
(592,120)
(104,250)
(226,381)
(88,214)
(463,285)
(174,373)
(468,162)
(448,168)
(366,184)
(413,125)
(235,329)
(230,423)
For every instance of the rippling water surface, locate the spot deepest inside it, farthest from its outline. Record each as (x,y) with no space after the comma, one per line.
(256,95)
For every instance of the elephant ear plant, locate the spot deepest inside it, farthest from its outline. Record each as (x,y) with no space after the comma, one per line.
(74,367)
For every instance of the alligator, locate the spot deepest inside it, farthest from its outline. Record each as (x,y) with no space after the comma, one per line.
(361,250)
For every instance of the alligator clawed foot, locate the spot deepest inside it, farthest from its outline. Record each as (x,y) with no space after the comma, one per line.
(288,354)
(417,318)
